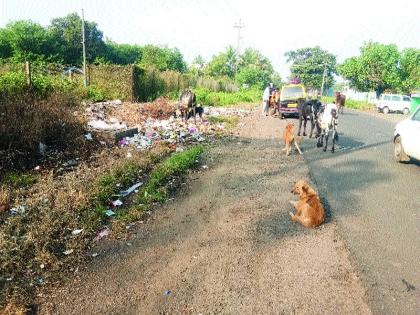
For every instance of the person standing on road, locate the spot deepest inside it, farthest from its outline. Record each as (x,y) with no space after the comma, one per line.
(265,99)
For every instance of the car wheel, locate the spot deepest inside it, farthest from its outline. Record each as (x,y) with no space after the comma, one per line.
(406,111)
(385,110)
(399,153)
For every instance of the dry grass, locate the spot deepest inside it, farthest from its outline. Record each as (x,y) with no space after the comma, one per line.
(26,120)
(4,200)
(33,243)
(136,113)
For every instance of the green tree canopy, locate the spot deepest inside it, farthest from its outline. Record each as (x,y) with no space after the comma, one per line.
(255,69)
(308,65)
(163,58)
(122,54)
(377,68)
(26,40)
(67,32)
(410,70)
(223,64)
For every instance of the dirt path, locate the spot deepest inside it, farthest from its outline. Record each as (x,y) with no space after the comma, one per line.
(225,245)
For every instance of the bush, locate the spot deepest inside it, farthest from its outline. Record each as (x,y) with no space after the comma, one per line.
(95,94)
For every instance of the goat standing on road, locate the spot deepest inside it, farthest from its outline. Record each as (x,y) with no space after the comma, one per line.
(328,123)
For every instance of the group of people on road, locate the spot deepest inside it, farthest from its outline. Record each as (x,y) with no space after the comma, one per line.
(268,92)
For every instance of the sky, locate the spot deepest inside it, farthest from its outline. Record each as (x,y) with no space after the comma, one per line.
(206,27)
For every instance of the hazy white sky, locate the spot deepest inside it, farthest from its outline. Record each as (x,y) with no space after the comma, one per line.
(206,27)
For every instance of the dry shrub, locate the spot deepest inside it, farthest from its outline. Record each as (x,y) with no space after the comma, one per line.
(161,108)
(27,120)
(136,113)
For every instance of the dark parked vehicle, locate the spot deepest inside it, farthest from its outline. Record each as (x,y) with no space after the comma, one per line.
(292,96)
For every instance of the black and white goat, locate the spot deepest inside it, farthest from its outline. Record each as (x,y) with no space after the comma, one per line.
(328,121)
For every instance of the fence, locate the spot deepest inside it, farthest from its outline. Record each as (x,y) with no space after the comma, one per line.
(130,83)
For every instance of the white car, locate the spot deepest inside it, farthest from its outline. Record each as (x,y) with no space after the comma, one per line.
(407,138)
(394,103)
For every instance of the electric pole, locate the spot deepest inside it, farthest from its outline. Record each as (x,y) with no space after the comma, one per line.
(238,26)
(84,50)
(323,79)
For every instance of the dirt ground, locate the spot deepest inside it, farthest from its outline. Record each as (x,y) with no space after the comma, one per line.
(224,245)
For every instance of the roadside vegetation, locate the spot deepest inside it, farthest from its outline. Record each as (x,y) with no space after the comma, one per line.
(353,104)
(210,98)
(58,218)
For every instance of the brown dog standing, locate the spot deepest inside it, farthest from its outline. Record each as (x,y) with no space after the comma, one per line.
(309,210)
(289,139)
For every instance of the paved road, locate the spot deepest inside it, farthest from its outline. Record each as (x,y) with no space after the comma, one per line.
(376,202)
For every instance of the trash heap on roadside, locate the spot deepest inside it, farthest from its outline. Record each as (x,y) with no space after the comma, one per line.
(145,129)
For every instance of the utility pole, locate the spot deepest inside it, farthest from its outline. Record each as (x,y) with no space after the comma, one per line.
(84,50)
(238,26)
(323,79)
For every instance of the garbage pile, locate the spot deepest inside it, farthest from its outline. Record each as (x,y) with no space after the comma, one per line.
(149,125)
(172,131)
(98,119)
(220,111)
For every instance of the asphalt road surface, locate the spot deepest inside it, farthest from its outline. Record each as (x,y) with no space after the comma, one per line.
(376,203)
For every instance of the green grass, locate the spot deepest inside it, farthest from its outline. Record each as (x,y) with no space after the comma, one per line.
(155,190)
(20,180)
(360,105)
(210,98)
(229,121)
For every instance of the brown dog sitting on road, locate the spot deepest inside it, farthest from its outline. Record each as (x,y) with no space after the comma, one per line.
(309,210)
(290,139)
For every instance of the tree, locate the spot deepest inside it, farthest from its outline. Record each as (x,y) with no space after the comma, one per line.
(163,58)
(255,69)
(122,54)
(308,65)
(223,64)
(410,70)
(377,68)
(26,41)
(67,32)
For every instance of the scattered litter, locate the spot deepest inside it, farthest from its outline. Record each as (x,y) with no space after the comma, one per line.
(102,234)
(42,148)
(37,168)
(117,203)
(77,231)
(125,193)
(109,213)
(70,163)
(95,255)
(42,266)
(102,125)
(17,210)
(205,166)
(128,226)
(68,252)
(9,279)
(167,293)
(88,136)
(40,280)
(129,244)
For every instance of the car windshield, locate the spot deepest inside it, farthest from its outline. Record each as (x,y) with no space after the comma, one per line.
(416,115)
(292,92)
